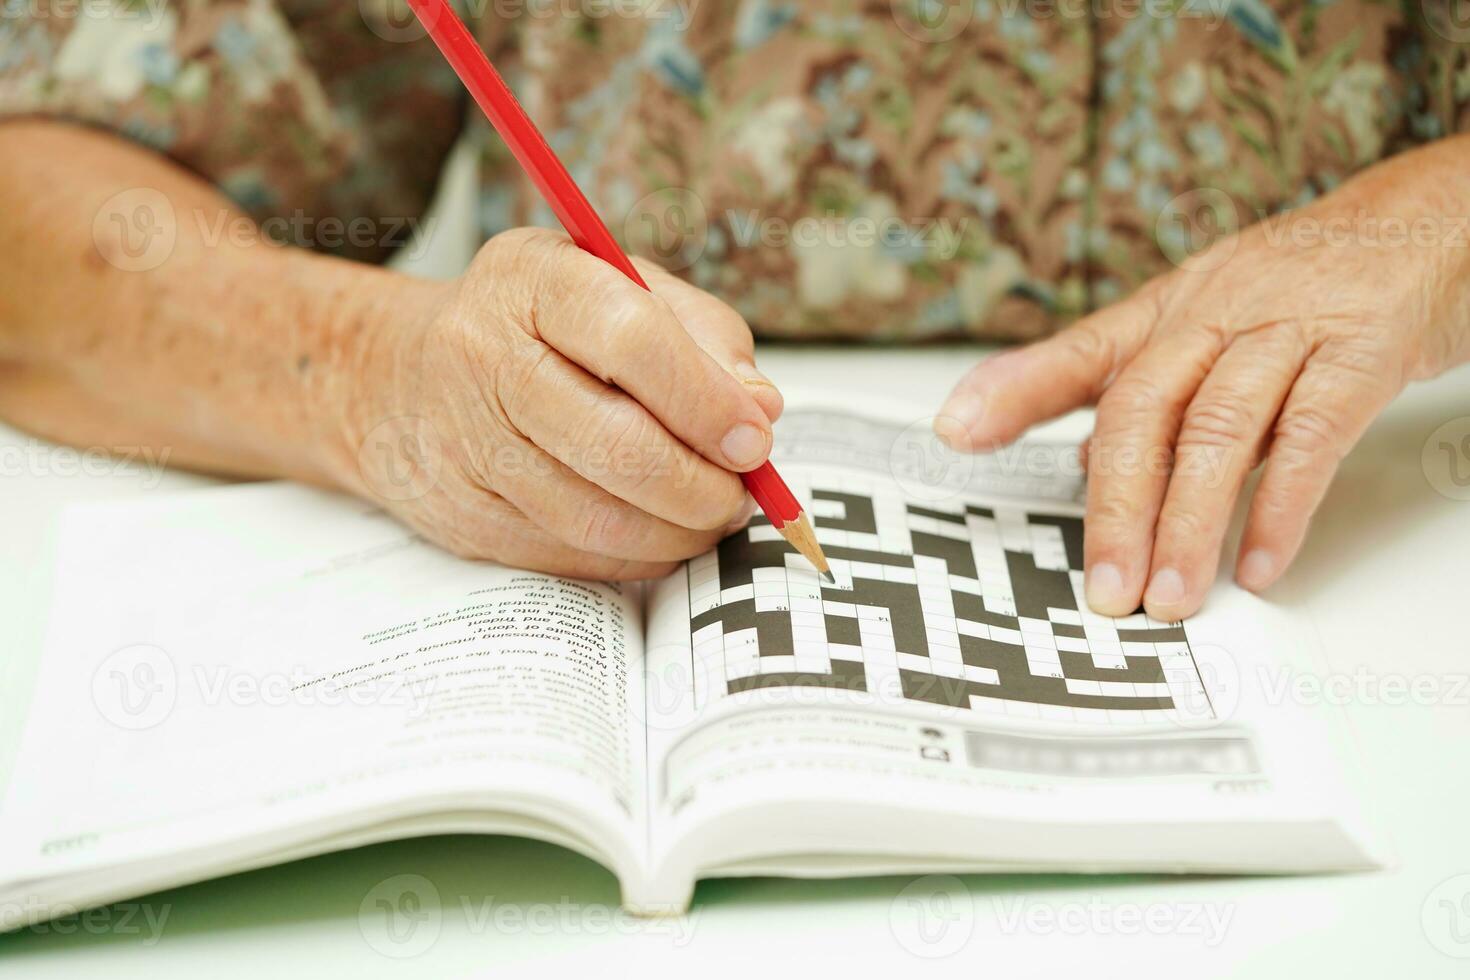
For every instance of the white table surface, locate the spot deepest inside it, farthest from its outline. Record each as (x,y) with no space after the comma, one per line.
(1384,574)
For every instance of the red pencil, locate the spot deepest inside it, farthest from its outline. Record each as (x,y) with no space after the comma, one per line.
(576,214)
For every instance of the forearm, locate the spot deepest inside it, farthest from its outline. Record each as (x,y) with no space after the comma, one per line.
(229,351)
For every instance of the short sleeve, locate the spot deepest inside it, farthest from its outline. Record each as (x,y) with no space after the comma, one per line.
(326,122)
(1213,116)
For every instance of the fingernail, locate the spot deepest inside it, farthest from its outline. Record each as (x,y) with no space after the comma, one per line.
(744,445)
(1104,587)
(967,411)
(750,376)
(1166,588)
(1256,569)
(952,432)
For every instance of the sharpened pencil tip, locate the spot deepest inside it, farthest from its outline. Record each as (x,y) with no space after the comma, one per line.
(829,578)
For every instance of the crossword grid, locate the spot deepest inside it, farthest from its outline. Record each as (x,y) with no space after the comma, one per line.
(976,608)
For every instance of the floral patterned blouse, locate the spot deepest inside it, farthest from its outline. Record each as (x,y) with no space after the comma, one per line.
(878,168)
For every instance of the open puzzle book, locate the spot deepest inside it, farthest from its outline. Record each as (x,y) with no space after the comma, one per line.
(249,675)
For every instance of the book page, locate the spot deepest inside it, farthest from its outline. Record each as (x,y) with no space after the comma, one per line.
(954,666)
(272,660)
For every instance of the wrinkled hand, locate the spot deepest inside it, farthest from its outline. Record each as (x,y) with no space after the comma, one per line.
(548,413)
(1279,344)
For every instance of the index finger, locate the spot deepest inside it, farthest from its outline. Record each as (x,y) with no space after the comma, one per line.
(628,337)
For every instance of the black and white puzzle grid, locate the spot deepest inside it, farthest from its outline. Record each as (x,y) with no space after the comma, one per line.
(972,607)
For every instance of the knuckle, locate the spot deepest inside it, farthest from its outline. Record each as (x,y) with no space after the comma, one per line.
(1309,430)
(634,322)
(519,379)
(1217,422)
(632,318)
(1111,516)
(516,243)
(1282,507)
(1360,358)
(625,433)
(602,528)
(1086,347)
(1132,396)
(1182,527)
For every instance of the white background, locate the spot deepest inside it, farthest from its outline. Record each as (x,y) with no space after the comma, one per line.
(1384,575)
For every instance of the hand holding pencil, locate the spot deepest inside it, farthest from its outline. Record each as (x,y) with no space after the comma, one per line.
(590,234)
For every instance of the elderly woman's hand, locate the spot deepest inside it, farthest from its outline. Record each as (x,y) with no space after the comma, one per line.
(1279,344)
(548,413)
